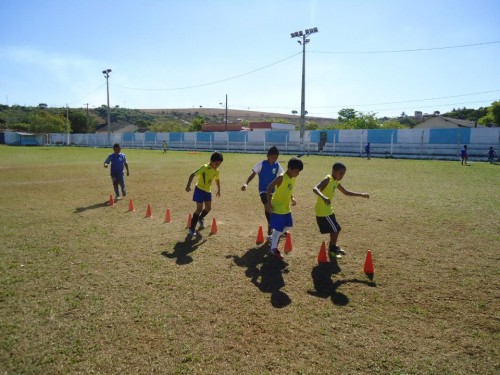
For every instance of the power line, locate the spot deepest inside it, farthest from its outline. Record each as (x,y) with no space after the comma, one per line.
(408,50)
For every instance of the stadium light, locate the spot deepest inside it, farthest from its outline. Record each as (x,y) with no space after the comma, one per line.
(303,42)
(106,75)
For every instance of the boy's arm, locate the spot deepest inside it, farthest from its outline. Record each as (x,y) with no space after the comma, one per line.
(126,167)
(276,182)
(190,179)
(217,182)
(250,178)
(319,188)
(352,193)
(106,162)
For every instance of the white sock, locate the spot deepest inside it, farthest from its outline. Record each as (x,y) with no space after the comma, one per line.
(275,237)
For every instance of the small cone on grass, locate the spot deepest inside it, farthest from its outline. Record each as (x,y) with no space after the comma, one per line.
(148,212)
(188,224)
(214,226)
(322,257)
(288,243)
(260,236)
(111,200)
(167,216)
(368,268)
(131,206)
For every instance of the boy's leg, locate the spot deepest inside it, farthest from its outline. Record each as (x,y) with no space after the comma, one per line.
(122,185)
(204,212)
(115,187)
(196,215)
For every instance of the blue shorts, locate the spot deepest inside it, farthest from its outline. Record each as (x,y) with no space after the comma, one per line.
(200,196)
(279,222)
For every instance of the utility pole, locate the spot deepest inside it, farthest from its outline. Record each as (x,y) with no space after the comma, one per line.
(87,118)
(226,112)
(303,35)
(106,75)
(67,123)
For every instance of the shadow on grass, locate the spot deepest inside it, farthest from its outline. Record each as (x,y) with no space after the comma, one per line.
(265,272)
(183,249)
(91,207)
(325,287)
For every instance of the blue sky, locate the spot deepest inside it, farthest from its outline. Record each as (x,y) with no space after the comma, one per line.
(191,53)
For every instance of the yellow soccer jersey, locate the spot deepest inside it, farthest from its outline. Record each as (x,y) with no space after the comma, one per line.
(322,209)
(283,195)
(206,174)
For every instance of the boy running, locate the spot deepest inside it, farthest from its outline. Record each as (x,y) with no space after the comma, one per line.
(267,170)
(118,161)
(325,217)
(278,204)
(203,190)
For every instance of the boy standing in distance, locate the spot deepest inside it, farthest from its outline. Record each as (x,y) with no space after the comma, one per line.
(203,190)
(278,204)
(463,155)
(118,161)
(325,217)
(267,170)
(491,155)
(368,150)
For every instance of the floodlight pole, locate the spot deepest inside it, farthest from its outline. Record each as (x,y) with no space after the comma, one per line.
(226,113)
(106,75)
(303,35)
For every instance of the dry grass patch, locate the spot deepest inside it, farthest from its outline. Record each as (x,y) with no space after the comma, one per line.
(88,288)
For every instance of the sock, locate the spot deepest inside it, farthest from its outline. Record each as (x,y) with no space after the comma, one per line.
(203,214)
(194,221)
(275,237)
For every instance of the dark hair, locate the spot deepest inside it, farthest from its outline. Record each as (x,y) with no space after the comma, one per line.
(216,156)
(295,163)
(116,145)
(338,167)
(273,151)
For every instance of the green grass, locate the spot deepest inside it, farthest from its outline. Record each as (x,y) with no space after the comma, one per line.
(88,288)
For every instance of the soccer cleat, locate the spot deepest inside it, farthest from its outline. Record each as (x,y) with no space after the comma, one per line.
(191,233)
(124,193)
(117,197)
(202,224)
(339,251)
(276,253)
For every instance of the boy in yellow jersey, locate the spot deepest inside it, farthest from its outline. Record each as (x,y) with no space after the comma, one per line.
(279,205)
(324,211)
(203,190)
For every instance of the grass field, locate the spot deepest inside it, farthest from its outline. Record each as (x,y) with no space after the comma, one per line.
(88,288)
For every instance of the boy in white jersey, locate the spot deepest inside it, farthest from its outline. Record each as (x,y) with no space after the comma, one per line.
(325,217)
(279,205)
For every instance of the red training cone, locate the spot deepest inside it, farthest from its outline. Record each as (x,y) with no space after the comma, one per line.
(214,226)
(167,216)
(368,269)
(148,212)
(288,243)
(322,257)
(111,200)
(131,206)
(260,236)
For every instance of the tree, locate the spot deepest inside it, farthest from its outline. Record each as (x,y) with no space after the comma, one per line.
(347,114)
(392,124)
(495,111)
(196,124)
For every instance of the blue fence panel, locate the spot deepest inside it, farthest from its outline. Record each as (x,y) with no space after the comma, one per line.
(449,136)
(237,136)
(128,137)
(277,136)
(176,137)
(204,136)
(382,136)
(150,137)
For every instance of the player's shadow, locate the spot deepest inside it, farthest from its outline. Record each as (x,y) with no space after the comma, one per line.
(91,207)
(182,249)
(325,287)
(265,272)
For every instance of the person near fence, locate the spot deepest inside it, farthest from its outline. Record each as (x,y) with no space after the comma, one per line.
(164,147)
(325,217)
(267,170)
(118,161)
(463,155)
(491,155)
(278,203)
(202,194)
(368,150)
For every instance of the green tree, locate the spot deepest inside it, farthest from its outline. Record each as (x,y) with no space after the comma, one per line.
(495,111)
(347,114)
(392,124)
(311,125)
(196,124)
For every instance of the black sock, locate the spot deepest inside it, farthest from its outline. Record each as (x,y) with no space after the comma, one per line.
(194,221)
(203,214)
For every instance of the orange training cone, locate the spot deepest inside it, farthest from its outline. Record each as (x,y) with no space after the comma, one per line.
(148,212)
(368,269)
(260,236)
(322,258)
(188,224)
(167,216)
(214,226)
(288,243)
(111,201)
(131,206)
